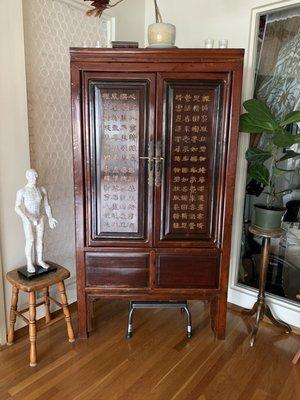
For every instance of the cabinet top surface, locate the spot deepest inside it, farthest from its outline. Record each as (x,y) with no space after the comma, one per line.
(154,55)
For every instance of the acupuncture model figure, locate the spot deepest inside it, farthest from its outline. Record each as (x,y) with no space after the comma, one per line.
(31,201)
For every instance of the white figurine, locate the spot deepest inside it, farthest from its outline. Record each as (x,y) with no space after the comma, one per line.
(30,199)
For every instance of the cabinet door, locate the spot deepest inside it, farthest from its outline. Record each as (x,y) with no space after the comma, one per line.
(190,158)
(120,111)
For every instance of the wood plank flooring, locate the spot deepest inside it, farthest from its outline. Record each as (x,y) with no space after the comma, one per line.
(158,363)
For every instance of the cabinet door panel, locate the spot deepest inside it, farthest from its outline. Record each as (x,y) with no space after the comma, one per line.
(120,133)
(192,131)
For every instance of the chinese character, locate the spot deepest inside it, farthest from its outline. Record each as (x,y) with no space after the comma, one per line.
(205,99)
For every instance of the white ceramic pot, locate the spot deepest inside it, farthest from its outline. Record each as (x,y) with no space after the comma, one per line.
(161,35)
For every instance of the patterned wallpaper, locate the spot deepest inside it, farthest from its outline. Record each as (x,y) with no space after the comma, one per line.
(50,28)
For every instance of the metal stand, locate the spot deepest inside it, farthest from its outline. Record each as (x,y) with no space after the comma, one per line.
(260,307)
(182,305)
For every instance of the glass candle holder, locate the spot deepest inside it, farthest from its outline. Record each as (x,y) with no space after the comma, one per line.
(209,43)
(223,44)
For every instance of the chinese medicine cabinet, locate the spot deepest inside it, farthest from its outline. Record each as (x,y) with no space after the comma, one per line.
(155,140)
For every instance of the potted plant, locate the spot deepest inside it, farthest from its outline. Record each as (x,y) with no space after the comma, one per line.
(267,164)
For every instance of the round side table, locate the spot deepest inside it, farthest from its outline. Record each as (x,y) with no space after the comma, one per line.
(260,307)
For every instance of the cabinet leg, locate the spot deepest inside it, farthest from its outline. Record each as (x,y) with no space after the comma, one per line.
(82,314)
(47,305)
(13,315)
(218,315)
(90,314)
(64,302)
(32,329)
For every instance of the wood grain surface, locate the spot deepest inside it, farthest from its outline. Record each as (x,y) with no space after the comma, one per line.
(158,363)
(155,137)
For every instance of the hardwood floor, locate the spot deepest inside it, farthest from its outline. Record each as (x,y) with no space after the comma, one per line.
(158,363)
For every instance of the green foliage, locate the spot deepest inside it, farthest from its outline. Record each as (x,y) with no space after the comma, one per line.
(254,154)
(290,118)
(249,124)
(282,140)
(260,119)
(261,114)
(260,173)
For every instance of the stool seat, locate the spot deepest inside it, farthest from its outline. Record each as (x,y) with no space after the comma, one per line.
(38,283)
(41,283)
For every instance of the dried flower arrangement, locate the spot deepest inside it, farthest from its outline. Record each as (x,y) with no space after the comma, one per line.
(101,5)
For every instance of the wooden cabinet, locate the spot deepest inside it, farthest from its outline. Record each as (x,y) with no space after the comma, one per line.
(155,139)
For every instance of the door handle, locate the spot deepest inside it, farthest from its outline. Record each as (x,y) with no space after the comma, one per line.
(158,164)
(150,160)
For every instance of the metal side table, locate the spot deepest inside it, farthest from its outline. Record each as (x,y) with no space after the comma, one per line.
(260,307)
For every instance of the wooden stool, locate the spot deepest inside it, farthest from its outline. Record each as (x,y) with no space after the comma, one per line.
(31,286)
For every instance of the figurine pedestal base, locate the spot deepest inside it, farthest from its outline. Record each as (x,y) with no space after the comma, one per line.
(39,271)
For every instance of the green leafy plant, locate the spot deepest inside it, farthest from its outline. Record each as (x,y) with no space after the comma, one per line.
(267,164)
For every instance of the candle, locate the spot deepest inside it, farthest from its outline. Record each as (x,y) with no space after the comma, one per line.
(162,34)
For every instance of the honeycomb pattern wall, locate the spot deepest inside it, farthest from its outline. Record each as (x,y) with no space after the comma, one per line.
(50,28)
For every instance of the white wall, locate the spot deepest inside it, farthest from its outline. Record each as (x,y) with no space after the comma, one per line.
(14,148)
(130,20)
(197,20)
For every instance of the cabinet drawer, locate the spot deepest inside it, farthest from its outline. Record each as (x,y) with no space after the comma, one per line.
(116,269)
(187,271)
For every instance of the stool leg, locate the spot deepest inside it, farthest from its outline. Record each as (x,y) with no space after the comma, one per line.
(129,326)
(13,315)
(189,322)
(64,303)
(32,329)
(47,305)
